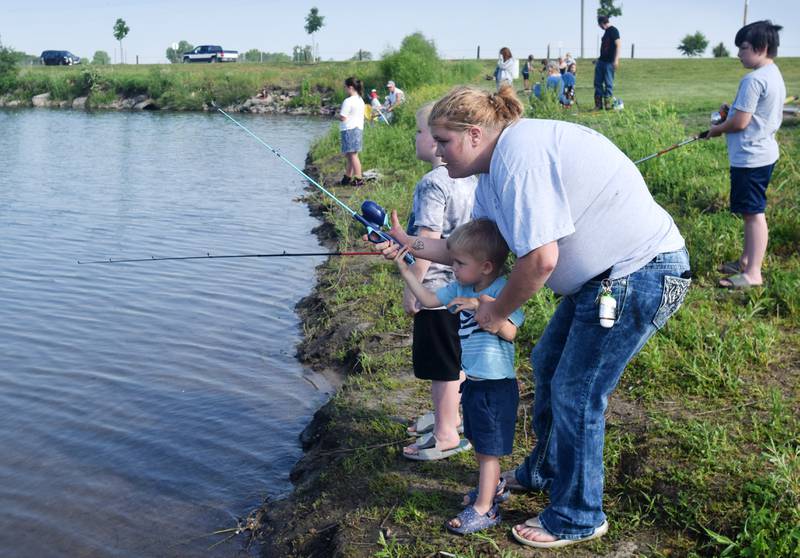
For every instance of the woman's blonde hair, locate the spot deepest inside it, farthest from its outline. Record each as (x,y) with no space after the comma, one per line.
(464,107)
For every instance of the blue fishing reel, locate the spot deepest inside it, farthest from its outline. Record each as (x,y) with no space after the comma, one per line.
(374,218)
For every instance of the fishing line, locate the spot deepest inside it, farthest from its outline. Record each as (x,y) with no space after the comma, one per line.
(227,256)
(374,216)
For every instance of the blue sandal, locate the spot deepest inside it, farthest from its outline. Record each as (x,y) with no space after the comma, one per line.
(501,494)
(471,521)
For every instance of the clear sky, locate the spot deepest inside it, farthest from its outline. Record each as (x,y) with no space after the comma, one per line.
(656,27)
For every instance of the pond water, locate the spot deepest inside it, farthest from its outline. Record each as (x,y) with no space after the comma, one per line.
(146,405)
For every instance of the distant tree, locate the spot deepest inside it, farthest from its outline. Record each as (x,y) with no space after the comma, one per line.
(255,55)
(101,57)
(175,55)
(120,32)
(314,22)
(362,55)
(607,8)
(720,51)
(252,55)
(302,54)
(693,45)
(276,57)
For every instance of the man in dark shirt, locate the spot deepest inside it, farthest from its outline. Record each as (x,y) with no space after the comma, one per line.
(606,64)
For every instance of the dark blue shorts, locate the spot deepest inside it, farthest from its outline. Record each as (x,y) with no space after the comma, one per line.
(749,189)
(490,414)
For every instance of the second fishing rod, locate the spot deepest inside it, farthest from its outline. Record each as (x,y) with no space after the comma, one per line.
(372,216)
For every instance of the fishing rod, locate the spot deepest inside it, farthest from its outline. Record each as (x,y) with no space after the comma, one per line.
(716,118)
(226,256)
(372,216)
(701,135)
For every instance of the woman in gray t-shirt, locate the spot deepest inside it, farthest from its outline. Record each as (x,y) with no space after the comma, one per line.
(588,228)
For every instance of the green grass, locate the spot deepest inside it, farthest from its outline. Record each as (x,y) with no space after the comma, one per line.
(189,86)
(702,446)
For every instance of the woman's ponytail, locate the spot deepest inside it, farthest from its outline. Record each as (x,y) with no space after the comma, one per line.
(468,106)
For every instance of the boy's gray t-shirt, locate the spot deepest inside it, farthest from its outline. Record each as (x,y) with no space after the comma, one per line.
(557,181)
(441,204)
(761,93)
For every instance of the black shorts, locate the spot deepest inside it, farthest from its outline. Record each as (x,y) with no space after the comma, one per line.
(436,349)
(749,189)
(490,414)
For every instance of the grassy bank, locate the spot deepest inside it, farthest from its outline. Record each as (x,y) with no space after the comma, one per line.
(681,83)
(189,86)
(702,448)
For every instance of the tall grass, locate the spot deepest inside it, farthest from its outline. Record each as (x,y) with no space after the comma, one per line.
(714,462)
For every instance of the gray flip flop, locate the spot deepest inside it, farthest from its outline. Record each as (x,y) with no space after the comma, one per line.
(429,451)
(422,425)
(730,267)
(425,424)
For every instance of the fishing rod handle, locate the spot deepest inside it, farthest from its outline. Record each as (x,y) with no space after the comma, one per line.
(376,236)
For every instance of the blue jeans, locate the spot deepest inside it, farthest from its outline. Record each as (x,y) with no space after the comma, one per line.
(603,79)
(577,364)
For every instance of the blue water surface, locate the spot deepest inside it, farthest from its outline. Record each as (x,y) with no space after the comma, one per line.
(145,405)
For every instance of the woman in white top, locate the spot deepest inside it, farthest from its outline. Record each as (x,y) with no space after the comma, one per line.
(504,71)
(351,130)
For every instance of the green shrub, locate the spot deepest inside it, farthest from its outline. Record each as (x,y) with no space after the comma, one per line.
(416,63)
(8,69)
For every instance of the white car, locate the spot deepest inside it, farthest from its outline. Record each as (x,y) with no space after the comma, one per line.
(210,53)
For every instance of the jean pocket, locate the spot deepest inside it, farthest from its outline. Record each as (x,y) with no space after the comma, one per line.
(672,295)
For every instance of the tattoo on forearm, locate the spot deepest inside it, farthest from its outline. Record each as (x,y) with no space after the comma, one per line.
(418,245)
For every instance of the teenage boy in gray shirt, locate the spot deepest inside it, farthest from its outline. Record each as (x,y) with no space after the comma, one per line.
(750,130)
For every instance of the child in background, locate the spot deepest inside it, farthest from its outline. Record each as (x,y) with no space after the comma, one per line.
(554,84)
(527,70)
(375,105)
(440,205)
(351,130)
(489,394)
(568,95)
(750,128)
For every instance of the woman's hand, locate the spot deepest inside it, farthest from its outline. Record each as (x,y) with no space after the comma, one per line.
(486,316)
(390,249)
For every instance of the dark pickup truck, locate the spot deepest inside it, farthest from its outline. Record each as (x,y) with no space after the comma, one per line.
(210,53)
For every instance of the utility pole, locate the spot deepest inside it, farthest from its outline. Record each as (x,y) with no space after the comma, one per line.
(479,52)
(744,21)
(581,28)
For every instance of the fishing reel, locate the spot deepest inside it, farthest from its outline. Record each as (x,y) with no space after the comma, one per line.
(719,116)
(375,219)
